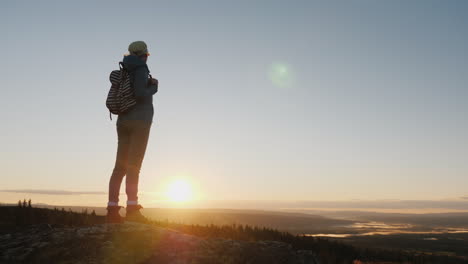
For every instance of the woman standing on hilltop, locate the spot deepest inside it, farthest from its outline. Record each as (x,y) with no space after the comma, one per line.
(133,129)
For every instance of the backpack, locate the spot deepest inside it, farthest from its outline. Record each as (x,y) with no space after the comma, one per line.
(120,98)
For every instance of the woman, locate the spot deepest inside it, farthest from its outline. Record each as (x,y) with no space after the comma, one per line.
(133,129)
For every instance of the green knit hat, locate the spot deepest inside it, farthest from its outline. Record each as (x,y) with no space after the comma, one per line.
(138,48)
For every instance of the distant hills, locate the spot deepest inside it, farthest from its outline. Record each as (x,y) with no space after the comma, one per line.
(294,223)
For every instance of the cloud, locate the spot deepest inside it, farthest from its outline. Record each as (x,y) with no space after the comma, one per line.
(51,192)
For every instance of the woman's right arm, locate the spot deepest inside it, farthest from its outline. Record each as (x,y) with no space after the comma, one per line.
(141,85)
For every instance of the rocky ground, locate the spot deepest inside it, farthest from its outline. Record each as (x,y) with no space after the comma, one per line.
(137,243)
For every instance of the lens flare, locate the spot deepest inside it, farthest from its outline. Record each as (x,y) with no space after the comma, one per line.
(281,75)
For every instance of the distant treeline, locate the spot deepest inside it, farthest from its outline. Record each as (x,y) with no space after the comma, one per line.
(25,214)
(328,251)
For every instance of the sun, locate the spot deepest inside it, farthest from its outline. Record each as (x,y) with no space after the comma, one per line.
(179,191)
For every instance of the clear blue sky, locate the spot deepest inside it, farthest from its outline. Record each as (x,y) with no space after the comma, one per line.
(368,100)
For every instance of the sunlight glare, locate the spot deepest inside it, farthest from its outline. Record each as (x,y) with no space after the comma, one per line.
(179,191)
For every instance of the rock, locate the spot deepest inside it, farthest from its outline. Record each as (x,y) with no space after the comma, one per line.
(138,243)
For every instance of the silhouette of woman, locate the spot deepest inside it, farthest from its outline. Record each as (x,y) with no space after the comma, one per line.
(133,129)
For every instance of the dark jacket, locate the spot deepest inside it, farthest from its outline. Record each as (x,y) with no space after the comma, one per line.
(143,110)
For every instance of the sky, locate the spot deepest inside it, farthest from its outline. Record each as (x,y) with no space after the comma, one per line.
(258,100)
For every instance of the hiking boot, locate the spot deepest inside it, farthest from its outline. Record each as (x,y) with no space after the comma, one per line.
(133,214)
(113,215)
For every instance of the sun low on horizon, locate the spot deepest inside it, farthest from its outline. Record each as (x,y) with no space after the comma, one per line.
(179,191)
